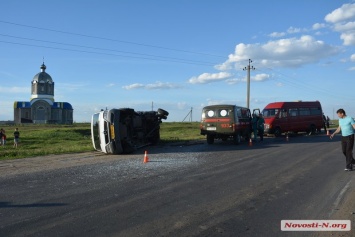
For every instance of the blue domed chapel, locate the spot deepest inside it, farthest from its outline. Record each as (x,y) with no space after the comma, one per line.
(42,108)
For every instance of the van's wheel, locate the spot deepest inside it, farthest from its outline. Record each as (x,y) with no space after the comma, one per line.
(313,130)
(277,132)
(237,139)
(210,139)
(247,137)
(163,112)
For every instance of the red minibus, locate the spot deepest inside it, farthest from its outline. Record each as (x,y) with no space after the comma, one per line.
(300,116)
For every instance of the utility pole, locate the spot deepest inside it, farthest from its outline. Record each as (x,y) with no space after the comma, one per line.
(190,113)
(248,68)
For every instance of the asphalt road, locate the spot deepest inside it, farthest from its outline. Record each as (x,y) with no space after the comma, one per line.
(184,190)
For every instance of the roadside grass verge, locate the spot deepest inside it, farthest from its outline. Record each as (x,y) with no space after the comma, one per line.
(40,140)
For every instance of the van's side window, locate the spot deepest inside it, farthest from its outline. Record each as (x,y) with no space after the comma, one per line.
(304,111)
(293,112)
(239,112)
(245,113)
(316,111)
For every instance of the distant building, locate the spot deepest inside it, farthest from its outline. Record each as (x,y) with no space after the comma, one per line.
(42,108)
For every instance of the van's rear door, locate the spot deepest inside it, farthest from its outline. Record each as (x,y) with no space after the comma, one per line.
(219,120)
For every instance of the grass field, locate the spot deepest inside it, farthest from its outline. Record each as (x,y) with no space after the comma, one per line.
(39,140)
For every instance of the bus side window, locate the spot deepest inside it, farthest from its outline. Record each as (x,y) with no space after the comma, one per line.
(293,112)
(283,113)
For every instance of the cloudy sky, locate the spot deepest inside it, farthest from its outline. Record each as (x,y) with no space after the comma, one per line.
(179,55)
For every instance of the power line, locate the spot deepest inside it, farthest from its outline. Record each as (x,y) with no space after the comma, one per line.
(111,54)
(105,49)
(311,88)
(109,39)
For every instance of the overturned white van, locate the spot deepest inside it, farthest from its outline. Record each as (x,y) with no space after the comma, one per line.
(124,130)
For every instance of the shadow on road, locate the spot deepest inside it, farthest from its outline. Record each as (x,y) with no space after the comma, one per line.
(10,205)
(219,145)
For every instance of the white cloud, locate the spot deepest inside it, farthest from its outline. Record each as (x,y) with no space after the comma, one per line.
(154,86)
(290,52)
(277,34)
(162,85)
(260,77)
(133,86)
(352,69)
(210,77)
(181,105)
(279,84)
(343,19)
(290,30)
(12,90)
(348,38)
(318,26)
(293,30)
(257,78)
(349,26)
(352,57)
(344,13)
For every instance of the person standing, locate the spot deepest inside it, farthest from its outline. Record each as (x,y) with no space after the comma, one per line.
(346,126)
(16,137)
(324,123)
(3,138)
(254,124)
(261,123)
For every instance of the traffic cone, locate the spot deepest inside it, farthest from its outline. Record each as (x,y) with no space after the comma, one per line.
(328,132)
(250,142)
(146,159)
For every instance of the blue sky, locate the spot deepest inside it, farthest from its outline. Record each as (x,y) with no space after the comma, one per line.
(178,55)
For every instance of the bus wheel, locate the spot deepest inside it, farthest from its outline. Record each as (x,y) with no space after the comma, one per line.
(236,138)
(277,132)
(210,139)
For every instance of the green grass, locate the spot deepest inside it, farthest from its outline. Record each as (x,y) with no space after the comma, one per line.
(39,140)
(180,131)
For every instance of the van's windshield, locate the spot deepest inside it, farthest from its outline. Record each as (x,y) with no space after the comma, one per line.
(267,113)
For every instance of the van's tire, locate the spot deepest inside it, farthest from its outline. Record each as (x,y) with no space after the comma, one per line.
(277,132)
(210,139)
(237,138)
(313,129)
(163,112)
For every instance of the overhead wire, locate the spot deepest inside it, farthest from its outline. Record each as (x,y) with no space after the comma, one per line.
(102,53)
(159,58)
(109,39)
(311,89)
